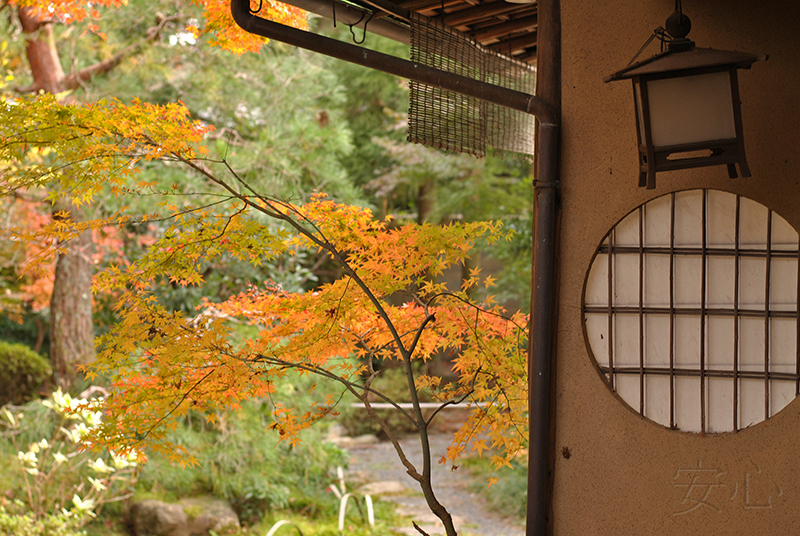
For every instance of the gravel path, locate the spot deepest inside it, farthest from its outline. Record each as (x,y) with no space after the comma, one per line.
(379,462)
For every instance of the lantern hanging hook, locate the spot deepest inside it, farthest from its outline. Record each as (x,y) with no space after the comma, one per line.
(678,25)
(672,34)
(659,33)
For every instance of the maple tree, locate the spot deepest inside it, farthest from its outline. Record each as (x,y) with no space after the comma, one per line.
(386,306)
(71,330)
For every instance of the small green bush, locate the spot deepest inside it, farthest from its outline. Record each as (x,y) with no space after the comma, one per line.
(18,524)
(507,496)
(22,372)
(242,460)
(57,476)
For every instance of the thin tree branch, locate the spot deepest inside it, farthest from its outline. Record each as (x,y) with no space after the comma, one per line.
(75,80)
(458,401)
(175,407)
(332,376)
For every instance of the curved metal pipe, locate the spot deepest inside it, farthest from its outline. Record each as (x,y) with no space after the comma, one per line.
(509,98)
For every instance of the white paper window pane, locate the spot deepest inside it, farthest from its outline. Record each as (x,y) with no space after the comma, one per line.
(721,219)
(751,402)
(688,281)
(656,392)
(721,282)
(658,214)
(752,282)
(656,273)
(783,345)
(597,332)
(657,341)
(689,218)
(783,284)
(687,342)
(626,279)
(781,394)
(687,403)
(597,282)
(784,237)
(627,387)
(663,336)
(720,343)
(752,224)
(751,344)
(626,340)
(719,404)
(626,233)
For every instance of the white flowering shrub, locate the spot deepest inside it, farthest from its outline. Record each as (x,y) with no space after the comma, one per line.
(14,521)
(60,478)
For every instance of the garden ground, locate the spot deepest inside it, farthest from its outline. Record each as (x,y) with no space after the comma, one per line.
(378,462)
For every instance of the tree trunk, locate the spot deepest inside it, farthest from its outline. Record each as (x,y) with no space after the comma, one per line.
(423,202)
(71,328)
(48,75)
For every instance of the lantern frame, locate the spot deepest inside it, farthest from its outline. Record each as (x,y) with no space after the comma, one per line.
(683,60)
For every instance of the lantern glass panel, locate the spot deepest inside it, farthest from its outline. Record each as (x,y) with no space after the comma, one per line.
(691,109)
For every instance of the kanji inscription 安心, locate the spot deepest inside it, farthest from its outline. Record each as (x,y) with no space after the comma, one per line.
(712,488)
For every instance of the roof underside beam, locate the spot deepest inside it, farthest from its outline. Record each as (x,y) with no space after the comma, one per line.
(352,15)
(508,98)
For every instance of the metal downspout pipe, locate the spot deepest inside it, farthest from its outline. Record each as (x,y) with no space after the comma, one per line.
(541,338)
(546,107)
(544,278)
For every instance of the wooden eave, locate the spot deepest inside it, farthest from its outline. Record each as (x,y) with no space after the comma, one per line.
(508,28)
(492,23)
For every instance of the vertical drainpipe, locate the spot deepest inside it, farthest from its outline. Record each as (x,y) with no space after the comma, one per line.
(541,341)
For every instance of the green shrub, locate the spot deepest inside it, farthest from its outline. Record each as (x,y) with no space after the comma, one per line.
(22,372)
(15,523)
(57,476)
(507,496)
(242,460)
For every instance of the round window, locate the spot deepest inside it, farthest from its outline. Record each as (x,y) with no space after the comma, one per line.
(690,310)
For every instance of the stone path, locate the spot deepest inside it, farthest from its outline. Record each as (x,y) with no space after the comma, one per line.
(378,463)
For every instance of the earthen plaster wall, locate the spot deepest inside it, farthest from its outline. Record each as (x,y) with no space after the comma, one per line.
(619,478)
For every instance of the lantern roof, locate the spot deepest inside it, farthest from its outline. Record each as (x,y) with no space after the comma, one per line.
(685,59)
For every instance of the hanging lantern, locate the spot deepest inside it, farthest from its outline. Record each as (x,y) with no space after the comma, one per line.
(687,105)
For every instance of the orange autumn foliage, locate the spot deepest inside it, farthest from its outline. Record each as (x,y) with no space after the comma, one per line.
(30,290)
(171,364)
(386,306)
(216,14)
(226,34)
